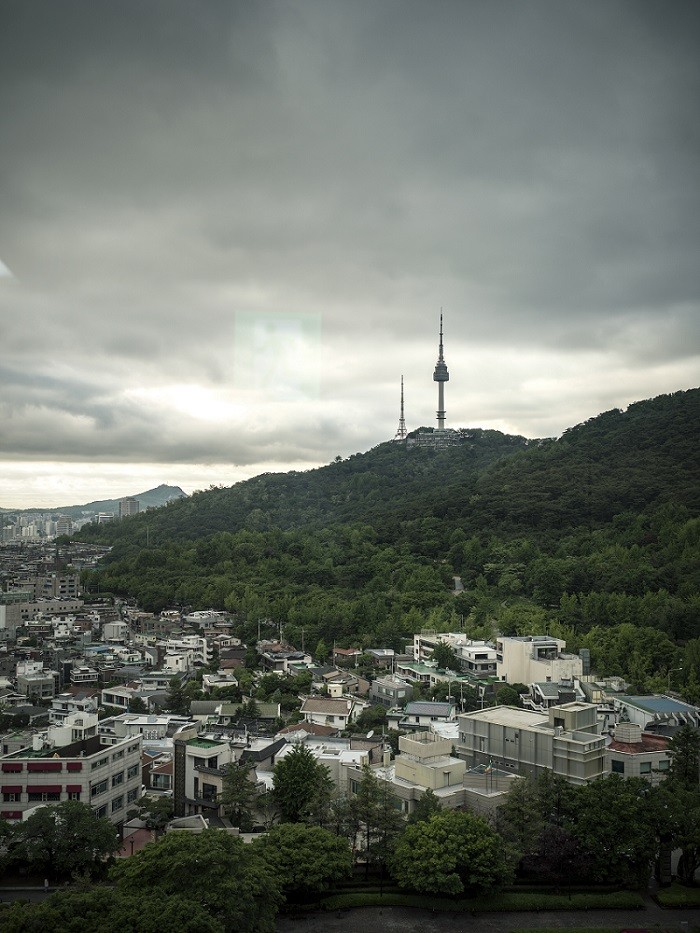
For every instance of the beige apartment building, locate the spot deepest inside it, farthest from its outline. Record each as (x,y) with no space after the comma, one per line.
(563,741)
(529,659)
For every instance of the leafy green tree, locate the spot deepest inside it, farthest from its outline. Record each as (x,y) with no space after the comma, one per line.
(615,825)
(62,841)
(214,870)
(305,859)
(301,786)
(374,717)
(321,652)
(559,858)
(239,795)
(451,853)
(378,819)
(445,657)
(684,749)
(678,807)
(110,911)
(426,806)
(137,705)
(507,696)
(156,811)
(177,700)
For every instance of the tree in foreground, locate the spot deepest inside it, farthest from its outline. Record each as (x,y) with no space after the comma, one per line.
(427,805)
(684,749)
(214,870)
(305,859)
(302,786)
(451,853)
(615,824)
(238,795)
(62,841)
(106,910)
(378,819)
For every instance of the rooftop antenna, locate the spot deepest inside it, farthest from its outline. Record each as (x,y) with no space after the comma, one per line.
(401,430)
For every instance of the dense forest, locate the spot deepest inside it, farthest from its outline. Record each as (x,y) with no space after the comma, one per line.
(594,536)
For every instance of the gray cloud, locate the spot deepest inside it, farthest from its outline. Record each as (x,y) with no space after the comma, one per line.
(171,171)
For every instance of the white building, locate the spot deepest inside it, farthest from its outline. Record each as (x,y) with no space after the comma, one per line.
(72,763)
(530,659)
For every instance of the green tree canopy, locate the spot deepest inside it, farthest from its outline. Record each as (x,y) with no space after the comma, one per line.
(428,805)
(301,786)
(684,749)
(445,657)
(216,871)
(239,795)
(63,840)
(106,910)
(305,859)
(451,853)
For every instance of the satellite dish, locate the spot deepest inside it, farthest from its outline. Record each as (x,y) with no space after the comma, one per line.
(370,734)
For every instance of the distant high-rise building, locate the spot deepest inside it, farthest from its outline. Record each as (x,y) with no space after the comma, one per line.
(129,506)
(64,526)
(441,376)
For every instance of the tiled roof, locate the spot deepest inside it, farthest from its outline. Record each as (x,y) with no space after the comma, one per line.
(322,705)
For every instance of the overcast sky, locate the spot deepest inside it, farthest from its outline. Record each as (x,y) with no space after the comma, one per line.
(228,228)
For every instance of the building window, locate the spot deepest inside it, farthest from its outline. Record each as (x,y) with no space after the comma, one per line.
(132,771)
(645,767)
(664,764)
(11,798)
(617,767)
(98,764)
(118,803)
(98,789)
(101,811)
(43,796)
(74,795)
(132,795)
(118,779)
(118,755)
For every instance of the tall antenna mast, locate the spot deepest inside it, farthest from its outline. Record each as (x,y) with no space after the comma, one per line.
(401,430)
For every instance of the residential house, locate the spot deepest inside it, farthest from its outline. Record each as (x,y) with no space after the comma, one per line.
(634,753)
(527,659)
(390,691)
(422,715)
(326,711)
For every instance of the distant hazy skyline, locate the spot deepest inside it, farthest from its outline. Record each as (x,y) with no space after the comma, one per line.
(227,228)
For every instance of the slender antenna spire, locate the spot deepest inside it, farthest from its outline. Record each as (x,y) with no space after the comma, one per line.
(441,376)
(401,430)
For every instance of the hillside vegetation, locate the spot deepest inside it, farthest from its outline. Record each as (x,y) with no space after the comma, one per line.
(595,536)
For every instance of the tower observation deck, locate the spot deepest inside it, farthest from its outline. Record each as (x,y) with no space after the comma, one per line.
(441,376)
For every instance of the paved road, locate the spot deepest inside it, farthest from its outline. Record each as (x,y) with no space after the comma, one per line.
(411,920)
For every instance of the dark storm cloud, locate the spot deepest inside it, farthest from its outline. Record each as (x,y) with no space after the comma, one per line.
(168,169)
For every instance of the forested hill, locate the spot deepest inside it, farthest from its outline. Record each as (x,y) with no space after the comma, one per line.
(594,537)
(613,463)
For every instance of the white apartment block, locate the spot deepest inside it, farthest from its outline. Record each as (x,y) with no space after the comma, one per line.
(476,657)
(531,659)
(72,764)
(563,741)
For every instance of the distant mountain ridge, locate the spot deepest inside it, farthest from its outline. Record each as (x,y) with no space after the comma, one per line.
(151,498)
